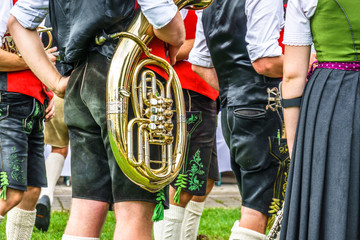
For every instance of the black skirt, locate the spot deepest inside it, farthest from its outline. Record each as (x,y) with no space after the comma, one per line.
(322,198)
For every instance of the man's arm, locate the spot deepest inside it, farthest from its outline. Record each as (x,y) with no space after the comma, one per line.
(265,20)
(269,66)
(10,62)
(208,75)
(167,23)
(200,58)
(32,50)
(174,34)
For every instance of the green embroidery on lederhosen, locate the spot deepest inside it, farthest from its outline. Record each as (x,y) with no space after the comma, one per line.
(17,173)
(37,113)
(279,150)
(4,181)
(192,119)
(181,181)
(195,171)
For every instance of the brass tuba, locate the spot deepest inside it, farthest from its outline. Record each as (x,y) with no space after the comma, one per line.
(152,103)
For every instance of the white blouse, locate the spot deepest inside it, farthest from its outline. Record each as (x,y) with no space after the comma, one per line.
(297,22)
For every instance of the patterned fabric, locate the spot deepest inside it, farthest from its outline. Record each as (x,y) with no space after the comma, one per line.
(22,140)
(349,66)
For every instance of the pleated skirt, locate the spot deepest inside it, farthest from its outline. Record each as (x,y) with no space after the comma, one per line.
(322,196)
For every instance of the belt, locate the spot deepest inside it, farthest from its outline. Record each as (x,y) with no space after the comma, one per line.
(347,66)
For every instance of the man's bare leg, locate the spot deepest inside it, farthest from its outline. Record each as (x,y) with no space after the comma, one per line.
(133,220)
(87,218)
(13,198)
(251,226)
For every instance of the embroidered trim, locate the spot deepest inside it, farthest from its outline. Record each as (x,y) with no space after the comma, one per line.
(195,171)
(17,173)
(280,182)
(192,119)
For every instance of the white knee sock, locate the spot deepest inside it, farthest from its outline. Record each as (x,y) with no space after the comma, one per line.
(173,218)
(191,222)
(240,233)
(54,164)
(1,218)
(69,237)
(158,229)
(20,224)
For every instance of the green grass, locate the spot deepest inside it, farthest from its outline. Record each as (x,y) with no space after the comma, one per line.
(215,223)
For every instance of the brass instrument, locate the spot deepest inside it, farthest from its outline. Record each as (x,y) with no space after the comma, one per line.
(8,43)
(152,106)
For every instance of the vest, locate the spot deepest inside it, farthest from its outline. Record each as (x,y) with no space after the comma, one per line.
(225,29)
(335,28)
(76,23)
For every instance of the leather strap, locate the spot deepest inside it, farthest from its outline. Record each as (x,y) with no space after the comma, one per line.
(292,102)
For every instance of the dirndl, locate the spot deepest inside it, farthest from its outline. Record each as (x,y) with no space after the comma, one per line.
(322,197)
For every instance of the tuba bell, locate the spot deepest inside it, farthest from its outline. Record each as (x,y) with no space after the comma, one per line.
(154,104)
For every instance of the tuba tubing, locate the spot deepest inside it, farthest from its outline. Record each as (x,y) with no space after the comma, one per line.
(121,85)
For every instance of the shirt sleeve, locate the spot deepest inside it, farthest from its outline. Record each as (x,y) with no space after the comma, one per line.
(265,19)
(297,25)
(4,16)
(30,13)
(200,54)
(158,12)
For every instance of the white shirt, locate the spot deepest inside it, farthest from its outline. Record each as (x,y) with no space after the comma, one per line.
(265,19)
(297,24)
(264,23)
(200,54)
(30,13)
(158,12)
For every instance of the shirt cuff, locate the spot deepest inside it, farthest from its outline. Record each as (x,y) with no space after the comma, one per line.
(196,58)
(27,16)
(297,39)
(160,15)
(267,49)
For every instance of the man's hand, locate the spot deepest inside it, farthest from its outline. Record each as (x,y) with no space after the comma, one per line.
(50,54)
(61,87)
(174,34)
(50,110)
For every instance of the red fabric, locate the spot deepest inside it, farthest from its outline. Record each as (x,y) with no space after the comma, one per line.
(136,5)
(188,79)
(27,83)
(281,38)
